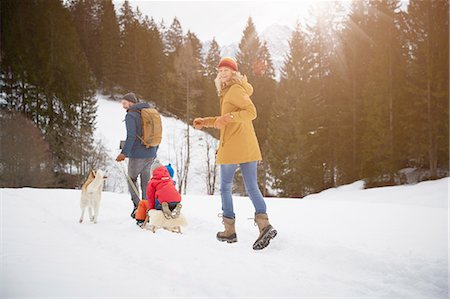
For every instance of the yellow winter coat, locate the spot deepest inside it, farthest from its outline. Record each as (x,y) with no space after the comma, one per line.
(238,142)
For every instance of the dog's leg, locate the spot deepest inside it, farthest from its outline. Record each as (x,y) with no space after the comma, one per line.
(91,217)
(96,209)
(172,229)
(82,214)
(145,222)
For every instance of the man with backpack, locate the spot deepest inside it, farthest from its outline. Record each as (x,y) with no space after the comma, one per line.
(139,153)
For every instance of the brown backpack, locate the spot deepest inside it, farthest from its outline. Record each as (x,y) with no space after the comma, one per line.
(151,127)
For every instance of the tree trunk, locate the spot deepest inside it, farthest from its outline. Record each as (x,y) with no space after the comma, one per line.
(431,136)
(391,110)
(188,149)
(355,170)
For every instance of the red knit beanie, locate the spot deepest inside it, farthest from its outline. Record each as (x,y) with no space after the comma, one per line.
(229,62)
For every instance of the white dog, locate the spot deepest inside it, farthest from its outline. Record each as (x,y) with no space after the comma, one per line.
(91,193)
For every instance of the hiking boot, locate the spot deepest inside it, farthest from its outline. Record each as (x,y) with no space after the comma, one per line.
(266,232)
(166,211)
(177,210)
(229,235)
(140,223)
(133,214)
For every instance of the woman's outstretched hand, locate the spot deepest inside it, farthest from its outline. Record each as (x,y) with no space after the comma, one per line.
(198,123)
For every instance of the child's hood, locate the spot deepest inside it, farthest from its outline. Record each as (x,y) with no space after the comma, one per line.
(161,173)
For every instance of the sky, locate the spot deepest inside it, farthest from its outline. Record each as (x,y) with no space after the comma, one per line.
(224,20)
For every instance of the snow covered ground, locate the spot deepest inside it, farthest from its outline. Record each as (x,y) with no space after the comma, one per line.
(345,242)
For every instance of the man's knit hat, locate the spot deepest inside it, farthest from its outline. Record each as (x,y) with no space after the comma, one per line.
(130,97)
(229,62)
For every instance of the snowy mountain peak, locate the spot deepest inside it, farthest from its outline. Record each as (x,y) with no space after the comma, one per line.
(277,37)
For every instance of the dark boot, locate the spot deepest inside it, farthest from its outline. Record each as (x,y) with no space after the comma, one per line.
(229,235)
(266,232)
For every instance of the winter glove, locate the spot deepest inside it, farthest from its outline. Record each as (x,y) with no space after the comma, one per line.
(199,123)
(223,121)
(120,157)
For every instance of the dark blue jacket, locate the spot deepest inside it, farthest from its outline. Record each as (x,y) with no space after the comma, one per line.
(133,147)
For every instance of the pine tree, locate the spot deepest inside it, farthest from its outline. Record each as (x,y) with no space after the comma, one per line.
(249,47)
(355,50)
(109,40)
(48,75)
(197,72)
(382,94)
(264,89)
(154,66)
(173,43)
(128,54)
(208,104)
(323,109)
(287,131)
(174,37)
(428,85)
(212,60)
(87,22)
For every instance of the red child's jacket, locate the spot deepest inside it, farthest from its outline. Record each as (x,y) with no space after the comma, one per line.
(161,187)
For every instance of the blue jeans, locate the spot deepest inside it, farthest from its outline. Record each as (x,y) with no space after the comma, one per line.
(251,185)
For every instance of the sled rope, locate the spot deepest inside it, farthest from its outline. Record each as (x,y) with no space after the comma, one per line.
(122,168)
(129,179)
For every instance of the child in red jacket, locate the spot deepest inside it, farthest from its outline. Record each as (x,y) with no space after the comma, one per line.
(161,195)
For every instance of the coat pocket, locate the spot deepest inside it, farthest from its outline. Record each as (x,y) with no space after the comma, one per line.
(232,132)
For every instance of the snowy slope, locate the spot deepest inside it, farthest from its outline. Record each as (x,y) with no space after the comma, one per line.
(344,242)
(110,129)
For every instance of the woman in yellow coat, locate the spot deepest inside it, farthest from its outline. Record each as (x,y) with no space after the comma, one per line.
(238,146)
